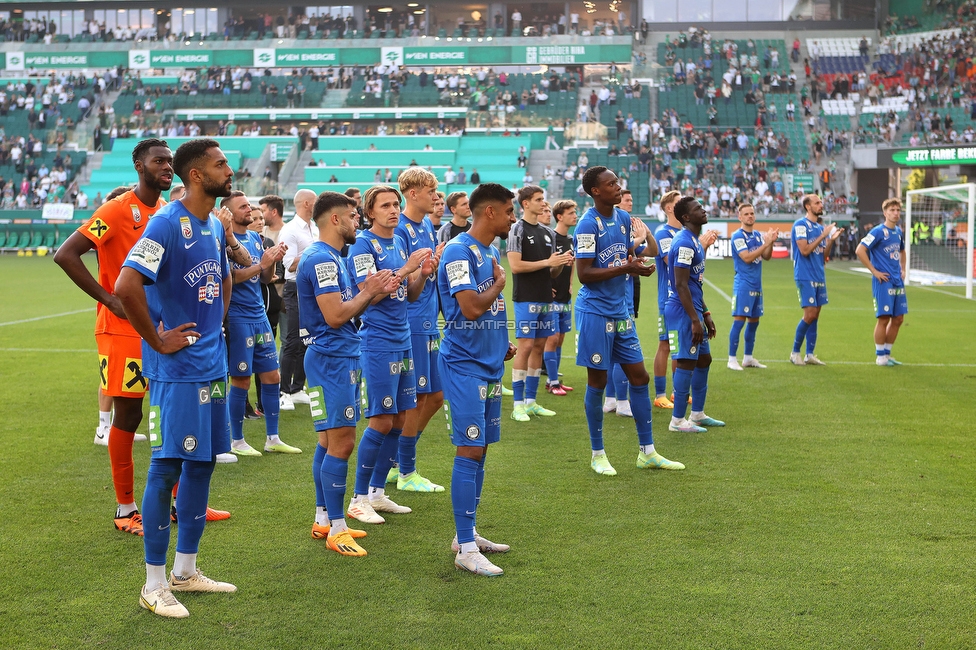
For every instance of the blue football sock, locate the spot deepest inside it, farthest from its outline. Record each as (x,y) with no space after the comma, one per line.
(385,458)
(559,356)
(479,482)
(464,497)
(610,391)
(699,389)
(369,449)
(272,407)
(237,404)
(156,499)
(317,459)
(620,384)
(191,504)
(333,475)
(593,406)
(750,336)
(531,386)
(801,332)
(682,386)
(518,390)
(734,333)
(551,361)
(640,406)
(812,336)
(408,454)
(660,385)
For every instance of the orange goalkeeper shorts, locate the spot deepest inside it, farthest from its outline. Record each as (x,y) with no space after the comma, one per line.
(120,365)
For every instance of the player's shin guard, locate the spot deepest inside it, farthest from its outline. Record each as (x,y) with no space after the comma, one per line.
(408,454)
(191,504)
(237,403)
(464,497)
(120,457)
(551,361)
(699,389)
(734,338)
(532,384)
(660,385)
(801,333)
(317,459)
(593,407)
(682,386)
(163,475)
(812,336)
(333,477)
(750,337)
(619,380)
(385,458)
(272,407)
(369,449)
(640,406)
(479,482)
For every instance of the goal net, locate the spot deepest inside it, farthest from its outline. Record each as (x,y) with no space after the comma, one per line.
(939,235)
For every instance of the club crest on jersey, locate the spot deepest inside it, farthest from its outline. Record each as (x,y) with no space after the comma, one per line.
(136,214)
(189,444)
(472,432)
(209,291)
(623,231)
(388,402)
(413,233)
(477,253)
(597,358)
(376,246)
(349,412)
(186,228)
(599,224)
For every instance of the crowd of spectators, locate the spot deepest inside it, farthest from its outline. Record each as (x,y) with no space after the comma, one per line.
(40,181)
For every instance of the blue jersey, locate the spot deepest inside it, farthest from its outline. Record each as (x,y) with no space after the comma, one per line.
(385,326)
(809,268)
(748,277)
(664,234)
(884,248)
(687,252)
(246,300)
(184,259)
(473,348)
(605,241)
(422,313)
(322,270)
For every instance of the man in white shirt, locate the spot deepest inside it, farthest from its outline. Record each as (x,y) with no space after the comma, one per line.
(449,176)
(298,234)
(761,187)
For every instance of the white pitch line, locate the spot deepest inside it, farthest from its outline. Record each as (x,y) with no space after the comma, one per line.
(727,297)
(45,350)
(872,363)
(37,318)
(913,286)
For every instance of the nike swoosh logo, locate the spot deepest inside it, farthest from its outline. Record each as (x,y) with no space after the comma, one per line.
(164,527)
(190,245)
(200,516)
(100,436)
(338,486)
(138,227)
(469,512)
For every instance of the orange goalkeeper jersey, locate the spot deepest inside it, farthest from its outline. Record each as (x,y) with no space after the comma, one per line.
(114,229)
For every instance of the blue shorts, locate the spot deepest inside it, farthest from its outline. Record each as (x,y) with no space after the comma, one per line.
(662,326)
(189,420)
(562,316)
(391,385)
(333,390)
(252,348)
(889,298)
(426,350)
(811,294)
(605,341)
(679,336)
(534,320)
(476,408)
(747,303)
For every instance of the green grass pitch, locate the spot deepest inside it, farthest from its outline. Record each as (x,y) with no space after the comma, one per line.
(834,510)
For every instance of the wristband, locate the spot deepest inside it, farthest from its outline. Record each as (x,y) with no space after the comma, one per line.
(707,313)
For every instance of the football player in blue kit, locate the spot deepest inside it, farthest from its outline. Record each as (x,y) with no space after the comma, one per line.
(663,236)
(387,359)
(606,331)
(419,189)
(470,281)
(690,324)
(749,250)
(175,289)
(811,246)
(328,302)
(882,251)
(249,335)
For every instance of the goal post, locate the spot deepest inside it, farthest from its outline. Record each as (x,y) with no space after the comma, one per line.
(939,235)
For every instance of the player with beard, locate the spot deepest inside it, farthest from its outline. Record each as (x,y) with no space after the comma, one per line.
(175,290)
(811,246)
(112,231)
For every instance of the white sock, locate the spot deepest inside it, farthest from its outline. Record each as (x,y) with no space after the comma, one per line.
(125,508)
(887,347)
(610,401)
(321,516)
(746,357)
(732,358)
(520,402)
(338,526)
(879,348)
(155,576)
(239,444)
(273,440)
(376,493)
(676,421)
(104,418)
(185,564)
(697,415)
(529,401)
(469,547)
(623,403)
(598,452)
(647,450)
